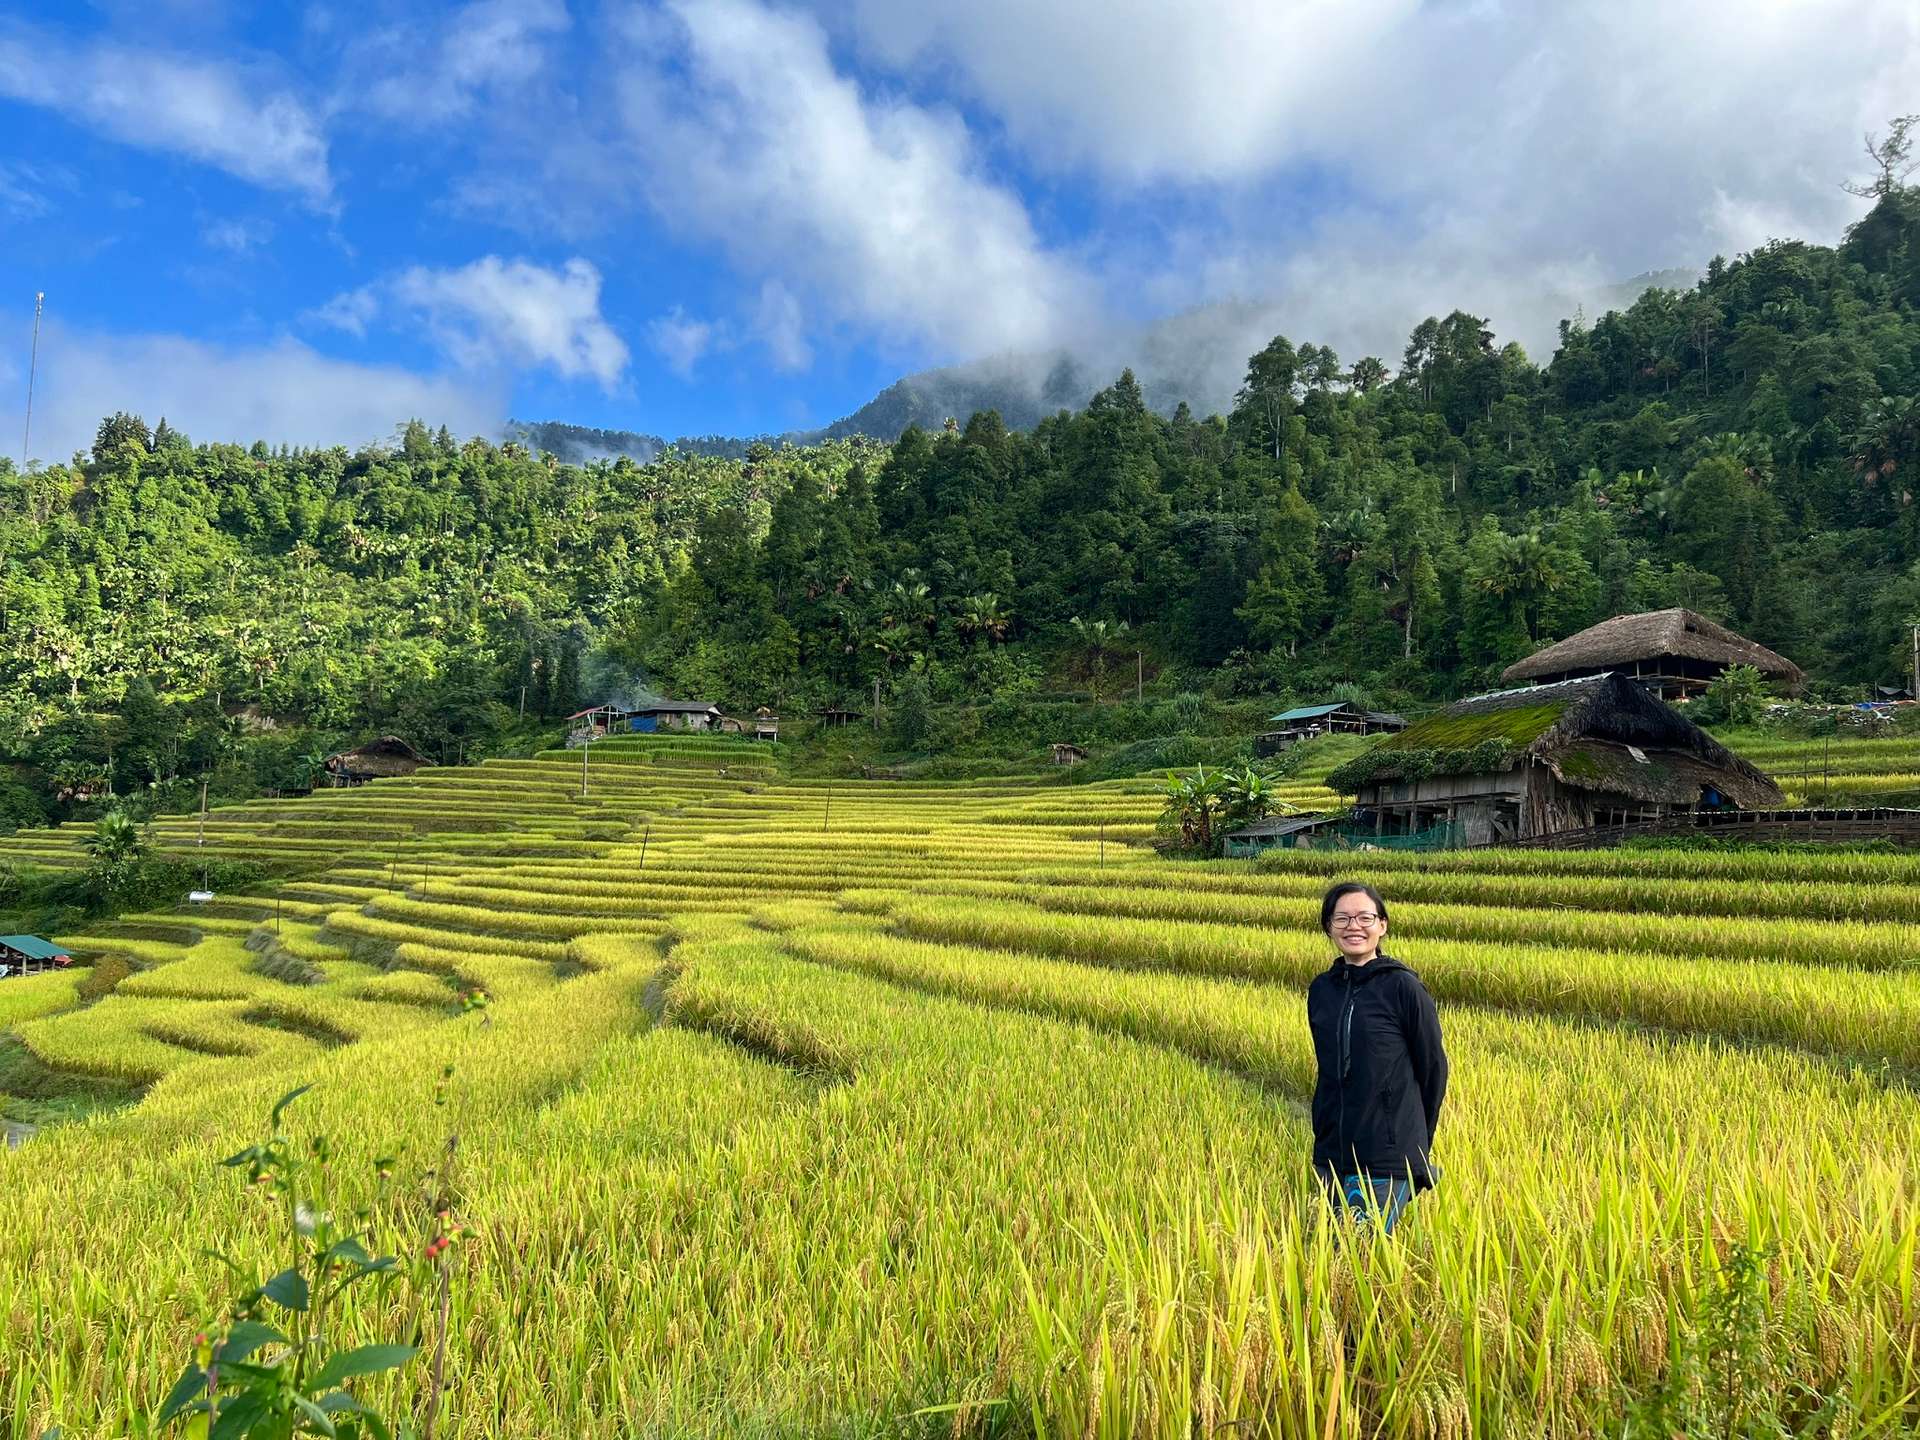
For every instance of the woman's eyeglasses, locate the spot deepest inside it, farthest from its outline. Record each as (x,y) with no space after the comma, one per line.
(1359,920)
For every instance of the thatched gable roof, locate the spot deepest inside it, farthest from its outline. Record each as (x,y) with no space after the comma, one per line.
(1582,729)
(1649,636)
(389,755)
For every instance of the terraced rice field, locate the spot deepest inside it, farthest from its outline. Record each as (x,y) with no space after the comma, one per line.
(885,1108)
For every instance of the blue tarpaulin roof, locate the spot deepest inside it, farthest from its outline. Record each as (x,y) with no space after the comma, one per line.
(1306,712)
(32,946)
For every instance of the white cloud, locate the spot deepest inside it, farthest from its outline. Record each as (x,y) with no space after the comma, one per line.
(782,328)
(877,211)
(24,188)
(208,110)
(280,392)
(496,313)
(1203,91)
(1369,162)
(682,340)
(351,310)
(237,237)
(423,78)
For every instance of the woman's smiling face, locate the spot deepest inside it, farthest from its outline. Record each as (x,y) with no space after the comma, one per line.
(1356,926)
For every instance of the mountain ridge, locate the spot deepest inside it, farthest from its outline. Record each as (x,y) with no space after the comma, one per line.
(1195,357)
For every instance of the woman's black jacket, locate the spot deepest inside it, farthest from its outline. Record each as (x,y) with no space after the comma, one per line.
(1383,1071)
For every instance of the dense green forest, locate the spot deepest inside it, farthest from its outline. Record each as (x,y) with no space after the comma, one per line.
(1745,448)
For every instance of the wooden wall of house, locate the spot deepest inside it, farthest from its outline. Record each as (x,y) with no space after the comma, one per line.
(1551,806)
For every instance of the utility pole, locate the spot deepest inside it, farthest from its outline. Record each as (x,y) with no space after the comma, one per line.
(33,371)
(876,702)
(1139,677)
(1915,692)
(585,746)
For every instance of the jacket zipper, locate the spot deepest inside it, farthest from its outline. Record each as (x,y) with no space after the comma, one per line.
(1346,1056)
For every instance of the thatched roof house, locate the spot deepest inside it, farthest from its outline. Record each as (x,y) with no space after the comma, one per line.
(376,760)
(1544,758)
(1674,653)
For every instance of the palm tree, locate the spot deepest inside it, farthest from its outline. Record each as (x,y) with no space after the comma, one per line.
(1098,638)
(116,839)
(981,615)
(910,602)
(1890,435)
(1526,573)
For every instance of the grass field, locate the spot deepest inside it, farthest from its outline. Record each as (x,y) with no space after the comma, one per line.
(909,1108)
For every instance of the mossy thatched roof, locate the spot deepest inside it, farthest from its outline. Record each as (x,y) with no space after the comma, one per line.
(1582,729)
(1652,635)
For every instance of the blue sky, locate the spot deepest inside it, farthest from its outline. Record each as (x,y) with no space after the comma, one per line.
(305,223)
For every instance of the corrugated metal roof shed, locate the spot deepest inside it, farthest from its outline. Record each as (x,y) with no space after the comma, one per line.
(1306,712)
(33,947)
(1279,825)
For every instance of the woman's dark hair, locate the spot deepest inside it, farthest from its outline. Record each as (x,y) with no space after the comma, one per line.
(1349,887)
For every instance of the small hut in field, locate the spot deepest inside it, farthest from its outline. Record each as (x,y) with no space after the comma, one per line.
(26,954)
(1674,653)
(674,715)
(1514,764)
(376,760)
(1336,717)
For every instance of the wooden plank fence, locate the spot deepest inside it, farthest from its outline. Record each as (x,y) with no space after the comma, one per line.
(1898,825)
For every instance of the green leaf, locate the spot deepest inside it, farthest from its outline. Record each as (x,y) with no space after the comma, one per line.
(321,1421)
(191,1385)
(286,1100)
(337,1402)
(288,1289)
(349,1249)
(247,1337)
(238,1416)
(365,1360)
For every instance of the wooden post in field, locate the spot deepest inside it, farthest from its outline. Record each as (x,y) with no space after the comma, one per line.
(1103,844)
(827,818)
(585,746)
(645,839)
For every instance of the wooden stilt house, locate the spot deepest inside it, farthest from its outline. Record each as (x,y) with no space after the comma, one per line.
(1673,653)
(1545,758)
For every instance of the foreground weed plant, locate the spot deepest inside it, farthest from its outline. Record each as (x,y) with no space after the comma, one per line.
(275,1366)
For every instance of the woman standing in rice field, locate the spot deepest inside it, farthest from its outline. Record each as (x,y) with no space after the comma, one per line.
(1383,1069)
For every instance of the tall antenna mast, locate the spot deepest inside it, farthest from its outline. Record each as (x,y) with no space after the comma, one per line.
(33,369)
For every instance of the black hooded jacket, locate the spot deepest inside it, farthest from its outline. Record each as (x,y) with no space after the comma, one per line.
(1383,1071)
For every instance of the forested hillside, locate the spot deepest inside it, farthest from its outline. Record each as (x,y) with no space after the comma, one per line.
(1407,524)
